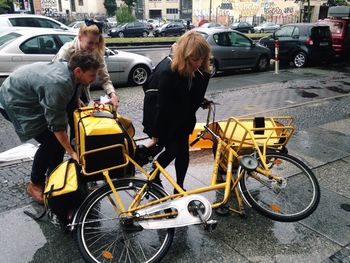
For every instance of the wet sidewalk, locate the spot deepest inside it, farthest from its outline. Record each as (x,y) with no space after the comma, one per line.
(323,144)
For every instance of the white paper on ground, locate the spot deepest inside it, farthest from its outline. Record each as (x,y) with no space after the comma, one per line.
(24,151)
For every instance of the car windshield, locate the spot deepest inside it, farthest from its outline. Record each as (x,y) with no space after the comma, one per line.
(122,25)
(71,24)
(205,35)
(164,26)
(234,24)
(5,39)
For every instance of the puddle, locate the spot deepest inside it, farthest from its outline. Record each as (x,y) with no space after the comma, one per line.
(345,207)
(306,94)
(337,89)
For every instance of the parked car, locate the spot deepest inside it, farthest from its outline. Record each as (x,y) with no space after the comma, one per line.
(243,27)
(132,29)
(75,26)
(155,23)
(301,43)
(26,20)
(234,50)
(266,27)
(339,22)
(211,25)
(203,21)
(111,22)
(185,23)
(170,29)
(27,46)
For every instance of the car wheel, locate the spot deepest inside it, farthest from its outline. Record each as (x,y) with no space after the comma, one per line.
(261,30)
(299,59)
(144,34)
(249,31)
(263,63)
(121,34)
(139,75)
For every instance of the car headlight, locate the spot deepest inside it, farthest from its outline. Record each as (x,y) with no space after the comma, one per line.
(113,30)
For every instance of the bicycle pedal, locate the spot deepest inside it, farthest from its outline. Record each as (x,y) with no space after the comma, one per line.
(210,225)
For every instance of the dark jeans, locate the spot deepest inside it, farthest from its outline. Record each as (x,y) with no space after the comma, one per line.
(177,149)
(4,114)
(48,156)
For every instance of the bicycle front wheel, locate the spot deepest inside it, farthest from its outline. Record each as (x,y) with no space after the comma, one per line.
(105,237)
(293,195)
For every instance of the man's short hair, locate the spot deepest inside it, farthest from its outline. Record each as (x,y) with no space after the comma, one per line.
(84,60)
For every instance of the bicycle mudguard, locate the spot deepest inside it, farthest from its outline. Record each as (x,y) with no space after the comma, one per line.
(187,212)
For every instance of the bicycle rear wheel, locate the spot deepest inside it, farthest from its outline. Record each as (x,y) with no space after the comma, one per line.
(294,197)
(104,237)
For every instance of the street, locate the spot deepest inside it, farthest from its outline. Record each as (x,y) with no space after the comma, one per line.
(319,100)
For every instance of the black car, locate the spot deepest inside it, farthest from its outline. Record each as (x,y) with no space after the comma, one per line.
(301,43)
(132,29)
(170,29)
(243,27)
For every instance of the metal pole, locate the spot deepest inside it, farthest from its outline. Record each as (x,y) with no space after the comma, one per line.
(276,58)
(210,10)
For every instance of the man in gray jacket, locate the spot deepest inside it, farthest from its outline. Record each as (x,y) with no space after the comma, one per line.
(35,98)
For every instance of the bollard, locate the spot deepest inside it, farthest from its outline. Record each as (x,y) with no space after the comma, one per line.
(276,58)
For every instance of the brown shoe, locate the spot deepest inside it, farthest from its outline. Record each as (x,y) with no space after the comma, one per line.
(36,191)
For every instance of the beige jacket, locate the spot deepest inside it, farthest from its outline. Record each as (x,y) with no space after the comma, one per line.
(68,49)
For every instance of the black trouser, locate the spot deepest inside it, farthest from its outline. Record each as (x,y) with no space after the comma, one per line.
(48,156)
(177,149)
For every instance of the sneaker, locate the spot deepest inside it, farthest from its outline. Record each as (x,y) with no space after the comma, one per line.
(36,191)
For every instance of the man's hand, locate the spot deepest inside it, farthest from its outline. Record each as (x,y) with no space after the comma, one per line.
(114,100)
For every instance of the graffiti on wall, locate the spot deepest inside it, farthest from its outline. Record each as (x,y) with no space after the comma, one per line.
(270,8)
(49,7)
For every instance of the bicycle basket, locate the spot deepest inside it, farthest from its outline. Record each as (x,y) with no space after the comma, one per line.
(257,132)
(102,143)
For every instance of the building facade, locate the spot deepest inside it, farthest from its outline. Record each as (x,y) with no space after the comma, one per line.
(221,11)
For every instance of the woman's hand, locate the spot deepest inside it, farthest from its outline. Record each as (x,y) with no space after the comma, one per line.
(74,156)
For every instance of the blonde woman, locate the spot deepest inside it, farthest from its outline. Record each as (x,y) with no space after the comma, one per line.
(91,39)
(181,82)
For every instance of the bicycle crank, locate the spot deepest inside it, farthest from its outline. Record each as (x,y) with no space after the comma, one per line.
(191,210)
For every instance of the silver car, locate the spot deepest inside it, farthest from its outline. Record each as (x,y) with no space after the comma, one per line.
(266,27)
(233,50)
(27,46)
(27,20)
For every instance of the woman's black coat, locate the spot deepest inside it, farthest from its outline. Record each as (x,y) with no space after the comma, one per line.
(176,103)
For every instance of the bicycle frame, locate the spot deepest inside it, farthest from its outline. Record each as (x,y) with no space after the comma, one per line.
(227,145)
(229,184)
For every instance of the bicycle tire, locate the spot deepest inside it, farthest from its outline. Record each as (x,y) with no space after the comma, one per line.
(106,239)
(295,198)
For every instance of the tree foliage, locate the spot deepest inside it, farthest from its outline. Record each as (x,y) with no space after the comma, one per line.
(337,2)
(111,7)
(5,6)
(124,15)
(130,3)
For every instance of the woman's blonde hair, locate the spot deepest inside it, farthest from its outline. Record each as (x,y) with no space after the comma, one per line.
(191,44)
(94,30)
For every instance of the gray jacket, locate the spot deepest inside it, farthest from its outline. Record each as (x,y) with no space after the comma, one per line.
(68,49)
(36,97)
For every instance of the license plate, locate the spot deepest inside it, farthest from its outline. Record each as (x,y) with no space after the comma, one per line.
(324,44)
